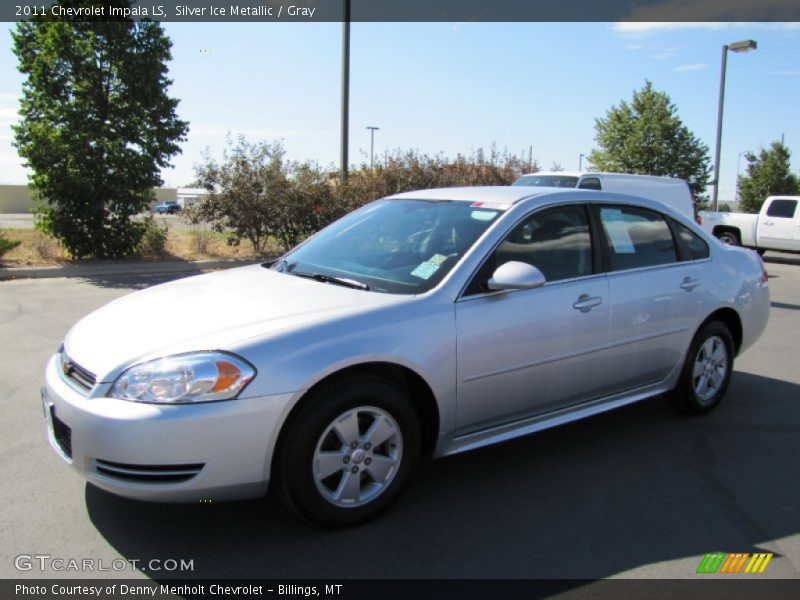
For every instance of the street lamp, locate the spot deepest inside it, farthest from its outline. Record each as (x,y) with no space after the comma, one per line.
(580,162)
(345,86)
(743,46)
(372,131)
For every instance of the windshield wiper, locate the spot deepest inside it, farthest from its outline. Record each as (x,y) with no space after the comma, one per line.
(351,283)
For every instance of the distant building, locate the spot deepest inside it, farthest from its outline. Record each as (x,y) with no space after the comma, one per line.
(189,197)
(19,198)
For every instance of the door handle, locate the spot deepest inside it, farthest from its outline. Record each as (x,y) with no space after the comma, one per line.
(769,223)
(689,283)
(586,303)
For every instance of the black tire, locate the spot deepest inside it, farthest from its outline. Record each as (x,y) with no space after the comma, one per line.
(685,397)
(363,397)
(729,237)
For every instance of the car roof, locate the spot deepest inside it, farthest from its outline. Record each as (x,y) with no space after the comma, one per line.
(504,197)
(495,194)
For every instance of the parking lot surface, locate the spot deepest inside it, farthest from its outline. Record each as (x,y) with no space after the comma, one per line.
(638,493)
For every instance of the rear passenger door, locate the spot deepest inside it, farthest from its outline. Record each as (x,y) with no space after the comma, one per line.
(654,296)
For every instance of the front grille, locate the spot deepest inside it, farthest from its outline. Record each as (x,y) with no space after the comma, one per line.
(77,375)
(148,473)
(62,433)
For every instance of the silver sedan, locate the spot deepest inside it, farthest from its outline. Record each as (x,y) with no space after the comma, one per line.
(424,324)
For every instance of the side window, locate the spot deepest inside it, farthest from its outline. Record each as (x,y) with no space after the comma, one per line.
(636,238)
(590,183)
(694,247)
(782,208)
(556,241)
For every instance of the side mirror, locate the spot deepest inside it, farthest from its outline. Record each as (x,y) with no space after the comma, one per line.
(515,275)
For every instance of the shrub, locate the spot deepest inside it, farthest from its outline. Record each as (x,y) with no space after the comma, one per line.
(257,195)
(201,240)
(154,238)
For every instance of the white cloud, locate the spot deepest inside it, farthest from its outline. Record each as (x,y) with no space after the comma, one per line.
(663,55)
(634,47)
(652,26)
(693,67)
(647,27)
(784,72)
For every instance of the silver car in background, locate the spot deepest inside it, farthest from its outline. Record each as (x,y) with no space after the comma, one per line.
(424,324)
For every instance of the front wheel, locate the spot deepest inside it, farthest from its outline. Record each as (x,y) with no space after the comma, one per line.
(349,452)
(706,372)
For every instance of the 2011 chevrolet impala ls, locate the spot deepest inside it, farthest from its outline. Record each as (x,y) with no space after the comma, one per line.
(426,323)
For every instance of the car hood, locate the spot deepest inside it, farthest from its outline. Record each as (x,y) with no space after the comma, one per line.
(208,312)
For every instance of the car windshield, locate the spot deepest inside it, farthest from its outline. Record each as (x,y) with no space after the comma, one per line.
(391,246)
(565,181)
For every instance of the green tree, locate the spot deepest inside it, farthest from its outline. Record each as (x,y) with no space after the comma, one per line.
(768,174)
(244,188)
(646,137)
(97,125)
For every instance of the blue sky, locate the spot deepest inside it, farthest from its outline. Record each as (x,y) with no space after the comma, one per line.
(452,87)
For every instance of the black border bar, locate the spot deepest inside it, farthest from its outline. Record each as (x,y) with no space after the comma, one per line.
(701,587)
(424,10)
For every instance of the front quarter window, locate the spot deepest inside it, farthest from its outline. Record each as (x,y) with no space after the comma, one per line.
(392,246)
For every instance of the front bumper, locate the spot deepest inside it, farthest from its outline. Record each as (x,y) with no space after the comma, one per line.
(181,453)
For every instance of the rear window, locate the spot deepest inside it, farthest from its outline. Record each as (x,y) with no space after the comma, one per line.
(782,208)
(636,238)
(692,245)
(590,183)
(565,181)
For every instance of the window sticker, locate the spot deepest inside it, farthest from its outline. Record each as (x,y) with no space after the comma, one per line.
(617,230)
(482,215)
(436,259)
(425,270)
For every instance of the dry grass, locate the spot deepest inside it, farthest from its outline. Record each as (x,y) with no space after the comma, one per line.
(38,249)
(35,249)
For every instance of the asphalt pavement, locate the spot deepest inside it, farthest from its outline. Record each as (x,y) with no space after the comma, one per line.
(640,492)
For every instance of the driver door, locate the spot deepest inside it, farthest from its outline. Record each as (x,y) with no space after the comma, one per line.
(525,352)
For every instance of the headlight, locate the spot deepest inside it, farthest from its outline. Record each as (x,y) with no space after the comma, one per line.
(198,377)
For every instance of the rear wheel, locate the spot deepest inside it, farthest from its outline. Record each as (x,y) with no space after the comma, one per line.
(729,237)
(349,452)
(706,372)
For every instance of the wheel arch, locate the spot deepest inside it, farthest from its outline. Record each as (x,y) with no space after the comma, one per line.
(418,391)
(720,229)
(731,319)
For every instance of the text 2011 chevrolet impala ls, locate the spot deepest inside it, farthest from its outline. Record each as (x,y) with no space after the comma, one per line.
(427,323)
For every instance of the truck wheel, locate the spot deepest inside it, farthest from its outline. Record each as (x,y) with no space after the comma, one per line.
(729,237)
(349,452)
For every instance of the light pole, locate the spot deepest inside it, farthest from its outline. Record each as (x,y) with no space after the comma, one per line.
(736,194)
(345,85)
(743,46)
(580,162)
(372,131)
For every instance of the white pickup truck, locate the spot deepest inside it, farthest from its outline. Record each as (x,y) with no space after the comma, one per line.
(776,227)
